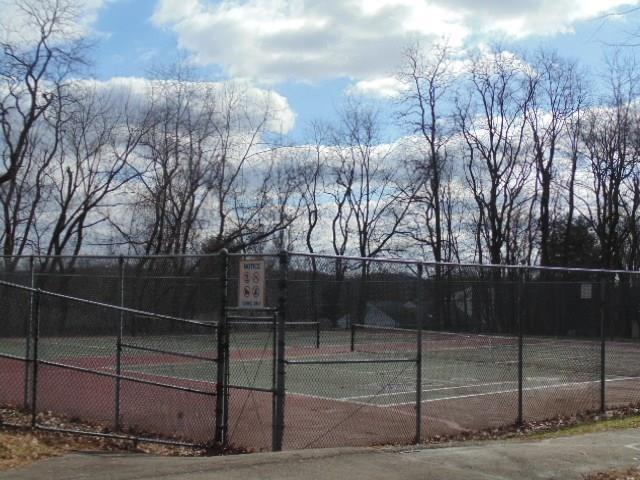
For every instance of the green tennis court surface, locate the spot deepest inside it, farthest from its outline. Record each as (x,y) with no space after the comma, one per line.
(455,367)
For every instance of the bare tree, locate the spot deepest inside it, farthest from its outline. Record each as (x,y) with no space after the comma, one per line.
(312,173)
(21,196)
(609,140)
(181,154)
(492,124)
(92,163)
(573,139)
(631,209)
(427,79)
(338,183)
(252,187)
(338,186)
(41,49)
(556,95)
(380,191)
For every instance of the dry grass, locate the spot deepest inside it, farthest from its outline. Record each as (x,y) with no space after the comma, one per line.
(23,447)
(18,448)
(599,423)
(625,474)
(586,422)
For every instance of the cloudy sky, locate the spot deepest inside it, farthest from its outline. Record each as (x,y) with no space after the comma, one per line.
(312,53)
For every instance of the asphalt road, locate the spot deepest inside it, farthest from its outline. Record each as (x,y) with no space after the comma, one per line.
(559,458)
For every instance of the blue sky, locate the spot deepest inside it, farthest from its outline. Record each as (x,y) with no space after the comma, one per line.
(313,53)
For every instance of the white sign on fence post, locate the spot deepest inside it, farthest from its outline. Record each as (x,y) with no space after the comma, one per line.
(251,284)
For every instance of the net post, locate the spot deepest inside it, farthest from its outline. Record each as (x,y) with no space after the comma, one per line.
(119,344)
(317,334)
(361,305)
(35,322)
(353,335)
(352,341)
(278,427)
(419,316)
(222,346)
(603,287)
(518,307)
(28,333)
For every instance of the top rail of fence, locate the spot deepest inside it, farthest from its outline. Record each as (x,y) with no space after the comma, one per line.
(388,260)
(407,261)
(110,306)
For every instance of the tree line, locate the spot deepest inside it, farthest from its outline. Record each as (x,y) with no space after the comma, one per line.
(502,158)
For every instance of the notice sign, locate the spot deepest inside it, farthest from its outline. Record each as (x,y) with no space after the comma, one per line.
(251,285)
(585,291)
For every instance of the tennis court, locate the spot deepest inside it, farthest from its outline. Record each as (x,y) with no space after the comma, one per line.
(405,355)
(334,396)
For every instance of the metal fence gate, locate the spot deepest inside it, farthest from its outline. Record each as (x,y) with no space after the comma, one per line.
(134,374)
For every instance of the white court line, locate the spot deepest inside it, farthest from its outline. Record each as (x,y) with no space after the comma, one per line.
(526,389)
(341,400)
(429,390)
(331,399)
(44,343)
(443,382)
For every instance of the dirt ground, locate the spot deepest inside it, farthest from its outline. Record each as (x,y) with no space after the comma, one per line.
(22,447)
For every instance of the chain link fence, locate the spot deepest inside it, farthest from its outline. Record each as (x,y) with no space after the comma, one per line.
(128,345)
(339,351)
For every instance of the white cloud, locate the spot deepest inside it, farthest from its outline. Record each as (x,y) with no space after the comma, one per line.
(533,17)
(273,40)
(136,92)
(383,87)
(176,10)
(307,40)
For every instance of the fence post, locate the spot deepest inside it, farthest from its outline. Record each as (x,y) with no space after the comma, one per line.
(351,322)
(278,427)
(119,343)
(222,347)
(35,322)
(419,315)
(274,371)
(519,307)
(603,291)
(28,333)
